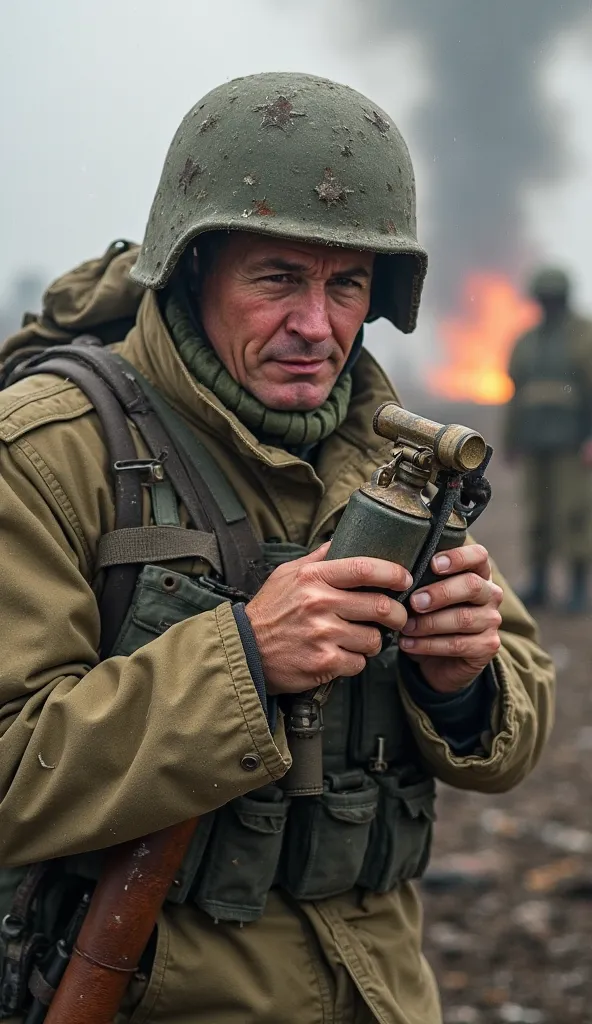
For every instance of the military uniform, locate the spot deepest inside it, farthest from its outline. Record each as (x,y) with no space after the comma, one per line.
(548,420)
(283,910)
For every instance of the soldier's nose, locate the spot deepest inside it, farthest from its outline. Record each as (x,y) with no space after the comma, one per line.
(310,320)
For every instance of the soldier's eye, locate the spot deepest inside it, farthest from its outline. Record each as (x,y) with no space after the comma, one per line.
(346,282)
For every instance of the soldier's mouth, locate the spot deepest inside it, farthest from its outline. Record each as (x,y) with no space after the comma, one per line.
(302,366)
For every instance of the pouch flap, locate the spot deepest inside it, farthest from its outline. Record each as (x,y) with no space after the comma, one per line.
(418,798)
(164,597)
(357,807)
(264,816)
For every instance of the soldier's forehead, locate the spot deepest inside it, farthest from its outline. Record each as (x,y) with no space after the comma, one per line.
(260,248)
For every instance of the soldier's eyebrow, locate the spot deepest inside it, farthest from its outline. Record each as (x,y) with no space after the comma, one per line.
(352,272)
(275,264)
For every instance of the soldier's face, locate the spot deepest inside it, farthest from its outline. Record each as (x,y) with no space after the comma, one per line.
(283,316)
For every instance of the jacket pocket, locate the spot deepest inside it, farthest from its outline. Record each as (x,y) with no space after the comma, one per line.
(242,857)
(328,835)
(401,837)
(161,599)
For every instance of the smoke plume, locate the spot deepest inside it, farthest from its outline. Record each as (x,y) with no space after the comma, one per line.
(487,125)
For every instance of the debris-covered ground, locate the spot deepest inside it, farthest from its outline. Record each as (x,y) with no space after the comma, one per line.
(509,904)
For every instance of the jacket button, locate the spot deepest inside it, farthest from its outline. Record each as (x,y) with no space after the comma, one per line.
(250,762)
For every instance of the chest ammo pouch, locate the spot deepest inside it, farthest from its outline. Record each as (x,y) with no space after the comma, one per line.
(372,824)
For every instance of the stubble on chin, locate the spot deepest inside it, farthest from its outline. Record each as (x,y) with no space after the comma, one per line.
(297,397)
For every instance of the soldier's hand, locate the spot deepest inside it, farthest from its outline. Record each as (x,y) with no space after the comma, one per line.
(452,631)
(313,622)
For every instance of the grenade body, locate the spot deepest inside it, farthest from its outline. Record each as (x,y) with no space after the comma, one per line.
(379,529)
(389,517)
(369,527)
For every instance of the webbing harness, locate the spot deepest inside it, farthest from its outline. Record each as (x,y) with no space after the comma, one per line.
(178,465)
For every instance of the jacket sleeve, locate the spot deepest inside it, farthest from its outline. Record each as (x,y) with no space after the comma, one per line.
(92,753)
(459,718)
(521,718)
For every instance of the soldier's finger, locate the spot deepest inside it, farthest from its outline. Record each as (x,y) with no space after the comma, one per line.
(463,618)
(350,664)
(468,588)
(353,573)
(458,645)
(356,606)
(469,558)
(357,639)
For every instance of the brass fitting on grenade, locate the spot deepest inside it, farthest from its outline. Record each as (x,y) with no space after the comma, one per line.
(425,445)
(424,452)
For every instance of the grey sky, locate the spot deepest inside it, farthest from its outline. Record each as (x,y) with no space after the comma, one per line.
(90,95)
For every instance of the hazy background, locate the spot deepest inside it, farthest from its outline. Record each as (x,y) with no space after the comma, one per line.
(494,98)
(492,95)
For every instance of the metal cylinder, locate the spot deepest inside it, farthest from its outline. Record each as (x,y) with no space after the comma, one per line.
(367,527)
(455,447)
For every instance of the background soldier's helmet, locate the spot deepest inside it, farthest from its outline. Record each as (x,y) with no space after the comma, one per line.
(297,157)
(549,282)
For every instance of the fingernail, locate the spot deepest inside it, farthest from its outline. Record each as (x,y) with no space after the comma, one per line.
(410,626)
(408,580)
(406,642)
(442,563)
(421,601)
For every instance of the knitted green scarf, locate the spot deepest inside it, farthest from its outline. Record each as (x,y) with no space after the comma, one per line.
(290,430)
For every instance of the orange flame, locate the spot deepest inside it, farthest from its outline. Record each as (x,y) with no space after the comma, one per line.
(479,340)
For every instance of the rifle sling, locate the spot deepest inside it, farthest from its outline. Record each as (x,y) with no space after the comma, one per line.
(120,580)
(185,474)
(239,550)
(241,546)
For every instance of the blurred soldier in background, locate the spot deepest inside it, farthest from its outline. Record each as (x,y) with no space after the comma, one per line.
(549,426)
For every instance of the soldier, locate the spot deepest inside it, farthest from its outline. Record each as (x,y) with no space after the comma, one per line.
(284,220)
(549,427)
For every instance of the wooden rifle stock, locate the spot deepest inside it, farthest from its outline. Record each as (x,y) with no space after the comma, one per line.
(122,913)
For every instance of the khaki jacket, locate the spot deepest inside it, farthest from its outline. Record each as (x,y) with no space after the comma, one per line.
(92,754)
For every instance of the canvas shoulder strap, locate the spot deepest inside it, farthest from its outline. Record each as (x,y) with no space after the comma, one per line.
(221,532)
(219,494)
(120,580)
